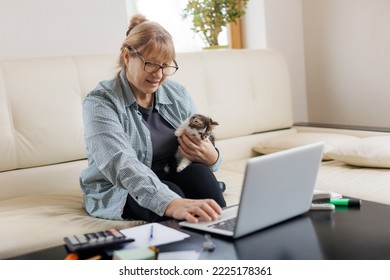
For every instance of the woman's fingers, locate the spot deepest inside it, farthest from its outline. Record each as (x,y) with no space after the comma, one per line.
(194,210)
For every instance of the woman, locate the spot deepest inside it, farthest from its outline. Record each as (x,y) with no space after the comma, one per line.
(129,132)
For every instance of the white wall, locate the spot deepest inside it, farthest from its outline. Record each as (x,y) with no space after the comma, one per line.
(347,48)
(338,52)
(277,24)
(40,28)
(253,26)
(285,33)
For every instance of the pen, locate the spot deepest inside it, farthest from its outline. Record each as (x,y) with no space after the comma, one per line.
(151,232)
(346,202)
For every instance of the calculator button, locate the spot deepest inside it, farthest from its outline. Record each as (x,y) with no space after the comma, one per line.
(91,237)
(73,240)
(81,238)
(116,233)
(108,235)
(100,236)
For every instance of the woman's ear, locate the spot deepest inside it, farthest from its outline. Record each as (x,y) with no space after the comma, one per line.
(126,57)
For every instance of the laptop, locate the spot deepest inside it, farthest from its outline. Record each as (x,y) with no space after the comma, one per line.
(276,187)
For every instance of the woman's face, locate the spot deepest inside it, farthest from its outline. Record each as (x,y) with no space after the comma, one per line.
(141,81)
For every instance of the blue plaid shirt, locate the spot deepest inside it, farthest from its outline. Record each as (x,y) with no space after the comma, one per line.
(119,147)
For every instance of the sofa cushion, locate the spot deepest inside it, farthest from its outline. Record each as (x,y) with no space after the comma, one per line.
(359,182)
(365,152)
(233,180)
(292,140)
(41,221)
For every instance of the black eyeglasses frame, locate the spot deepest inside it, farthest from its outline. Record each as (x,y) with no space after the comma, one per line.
(155,65)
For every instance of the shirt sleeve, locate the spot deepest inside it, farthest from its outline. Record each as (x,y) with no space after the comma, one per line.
(217,165)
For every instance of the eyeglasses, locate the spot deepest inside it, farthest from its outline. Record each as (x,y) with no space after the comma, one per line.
(150,67)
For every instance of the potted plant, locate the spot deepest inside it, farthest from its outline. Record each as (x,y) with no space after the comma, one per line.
(209,16)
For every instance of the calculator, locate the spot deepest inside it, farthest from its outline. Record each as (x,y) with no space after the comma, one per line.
(96,241)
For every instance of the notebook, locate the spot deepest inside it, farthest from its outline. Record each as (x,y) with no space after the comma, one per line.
(276,187)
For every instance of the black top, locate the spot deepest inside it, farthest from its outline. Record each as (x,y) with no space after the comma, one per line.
(164,141)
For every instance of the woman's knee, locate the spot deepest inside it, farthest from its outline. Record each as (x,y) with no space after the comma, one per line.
(198,181)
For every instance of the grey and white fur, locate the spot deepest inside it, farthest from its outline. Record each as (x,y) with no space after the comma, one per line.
(201,127)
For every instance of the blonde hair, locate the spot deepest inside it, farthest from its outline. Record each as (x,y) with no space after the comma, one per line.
(147,37)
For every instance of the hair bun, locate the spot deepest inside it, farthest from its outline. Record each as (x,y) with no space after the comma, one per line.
(134,21)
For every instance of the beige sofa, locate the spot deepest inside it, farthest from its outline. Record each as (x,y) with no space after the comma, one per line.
(42,149)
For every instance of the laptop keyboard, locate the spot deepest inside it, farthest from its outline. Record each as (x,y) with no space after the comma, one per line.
(226,224)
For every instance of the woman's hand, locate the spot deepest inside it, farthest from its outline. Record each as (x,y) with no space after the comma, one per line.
(202,151)
(193,210)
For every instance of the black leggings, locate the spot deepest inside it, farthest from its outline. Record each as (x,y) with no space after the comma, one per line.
(196,181)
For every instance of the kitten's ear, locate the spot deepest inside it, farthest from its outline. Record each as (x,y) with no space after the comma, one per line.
(213,123)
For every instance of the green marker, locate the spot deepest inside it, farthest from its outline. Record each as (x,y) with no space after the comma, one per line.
(346,202)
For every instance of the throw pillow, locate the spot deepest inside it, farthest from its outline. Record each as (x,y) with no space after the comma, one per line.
(291,140)
(366,152)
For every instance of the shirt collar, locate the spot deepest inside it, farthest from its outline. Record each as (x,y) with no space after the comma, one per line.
(162,95)
(128,93)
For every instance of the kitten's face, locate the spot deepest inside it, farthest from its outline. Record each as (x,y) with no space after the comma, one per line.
(203,124)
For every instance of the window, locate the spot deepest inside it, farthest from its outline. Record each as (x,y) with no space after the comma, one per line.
(169,14)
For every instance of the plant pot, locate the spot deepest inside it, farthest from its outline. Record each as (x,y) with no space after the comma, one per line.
(216,47)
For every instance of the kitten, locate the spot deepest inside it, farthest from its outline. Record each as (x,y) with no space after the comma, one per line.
(201,127)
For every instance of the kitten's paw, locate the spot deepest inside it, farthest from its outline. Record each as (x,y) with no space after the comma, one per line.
(183,163)
(180,168)
(166,169)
